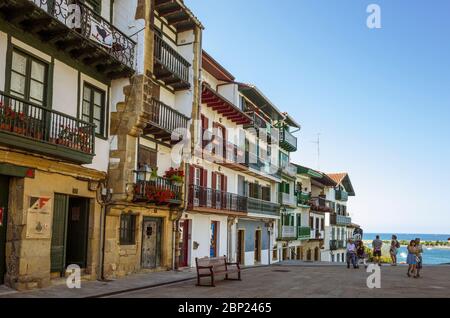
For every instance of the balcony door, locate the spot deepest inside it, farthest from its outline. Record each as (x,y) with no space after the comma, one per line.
(28,78)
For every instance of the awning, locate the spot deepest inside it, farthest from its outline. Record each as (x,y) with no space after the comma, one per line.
(224,107)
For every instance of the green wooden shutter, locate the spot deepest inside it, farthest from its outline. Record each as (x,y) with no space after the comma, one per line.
(59,231)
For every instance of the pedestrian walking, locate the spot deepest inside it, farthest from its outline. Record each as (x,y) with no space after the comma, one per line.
(393,250)
(411,260)
(419,251)
(377,244)
(361,253)
(351,254)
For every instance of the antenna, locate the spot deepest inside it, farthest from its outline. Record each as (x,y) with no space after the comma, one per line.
(317,142)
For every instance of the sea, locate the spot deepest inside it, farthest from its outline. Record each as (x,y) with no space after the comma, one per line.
(431,255)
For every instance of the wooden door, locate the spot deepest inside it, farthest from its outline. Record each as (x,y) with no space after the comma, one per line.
(151,241)
(4,193)
(241,247)
(184,243)
(257,246)
(77,232)
(213,249)
(59,231)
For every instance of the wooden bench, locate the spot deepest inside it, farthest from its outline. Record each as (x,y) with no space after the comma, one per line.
(209,267)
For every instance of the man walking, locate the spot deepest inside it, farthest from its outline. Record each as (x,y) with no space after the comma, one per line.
(351,254)
(419,250)
(376,245)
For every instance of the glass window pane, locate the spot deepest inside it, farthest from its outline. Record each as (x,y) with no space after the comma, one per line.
(87,93)
(37,71)
(85,118)
(86,108)
(18,84)
(36,91)
(97,113)
(98,126)
(97,98)
(19,63)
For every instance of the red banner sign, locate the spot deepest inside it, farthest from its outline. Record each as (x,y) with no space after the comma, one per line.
(1,216)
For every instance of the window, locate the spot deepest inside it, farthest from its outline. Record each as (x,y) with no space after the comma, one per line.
(197,177)
(94,108)
(28,78)
(127,229)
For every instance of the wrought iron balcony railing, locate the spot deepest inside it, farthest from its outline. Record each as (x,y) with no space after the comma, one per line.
(172,69)
(32,127)
(263,207)
(303,198)
(215,199)
(156,190)
(289,170)
(303,232)
(81,19)
(163,119)
(321,205)
(317,234)
(288,231)
(337,219)
(337,244)
(287,199)
(288,141)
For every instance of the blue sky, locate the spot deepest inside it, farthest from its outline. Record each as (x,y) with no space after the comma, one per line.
(380,98)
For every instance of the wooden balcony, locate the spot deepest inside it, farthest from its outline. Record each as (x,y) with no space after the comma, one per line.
(169,66)
(37,129)
(76,30)
(158,190)
(263,207)
(212,200)
(341,195)
(163,120)
(319,204)
(337,219)
(177,14)
(288,141)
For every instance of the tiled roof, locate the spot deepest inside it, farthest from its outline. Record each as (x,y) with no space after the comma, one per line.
(337,177)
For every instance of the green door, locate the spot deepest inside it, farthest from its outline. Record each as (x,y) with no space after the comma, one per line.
(59,231)
(4,193)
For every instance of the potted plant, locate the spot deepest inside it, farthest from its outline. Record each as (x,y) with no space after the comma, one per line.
(175,176)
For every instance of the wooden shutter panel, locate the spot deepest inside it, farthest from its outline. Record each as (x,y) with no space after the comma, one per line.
(205,124)
(224,183)
(191,174)
(213,180)
(59,230)
(204,178)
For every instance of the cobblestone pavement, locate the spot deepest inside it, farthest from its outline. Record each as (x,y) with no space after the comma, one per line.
(293,280)
(289,279)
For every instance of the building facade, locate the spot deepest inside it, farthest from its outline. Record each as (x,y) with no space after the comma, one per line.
(59,63)
(153,115)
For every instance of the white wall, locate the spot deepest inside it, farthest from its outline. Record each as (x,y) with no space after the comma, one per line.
(65,89)
(201,233)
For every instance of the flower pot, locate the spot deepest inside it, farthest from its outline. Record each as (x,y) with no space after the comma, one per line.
(6,127)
